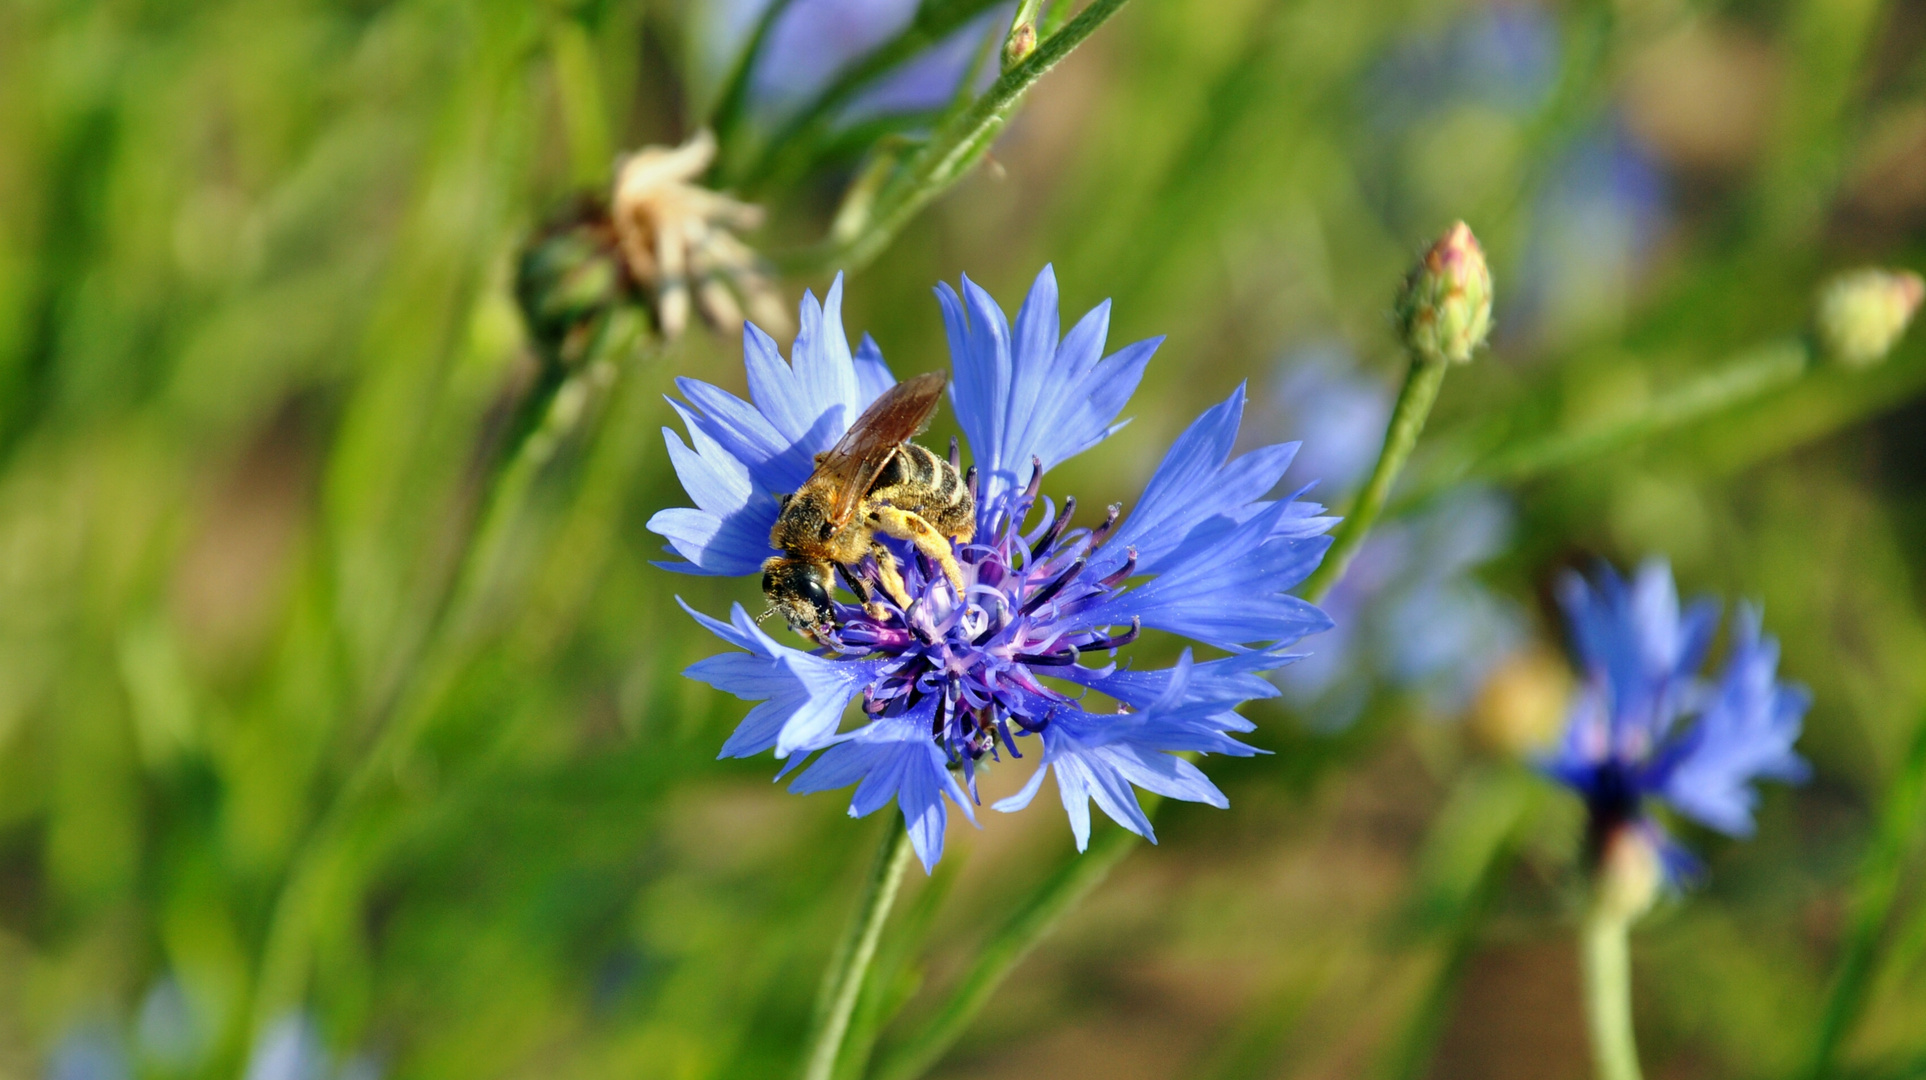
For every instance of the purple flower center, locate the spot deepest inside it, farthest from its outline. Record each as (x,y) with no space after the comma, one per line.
(978,655)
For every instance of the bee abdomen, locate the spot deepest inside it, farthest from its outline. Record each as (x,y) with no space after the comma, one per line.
(919,480)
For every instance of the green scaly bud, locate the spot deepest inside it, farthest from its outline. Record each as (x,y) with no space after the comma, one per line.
(1444,312)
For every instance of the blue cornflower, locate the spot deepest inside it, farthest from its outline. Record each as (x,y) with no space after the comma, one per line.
(1644,725)
(951,679)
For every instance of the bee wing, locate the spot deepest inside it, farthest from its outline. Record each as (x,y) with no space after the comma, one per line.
(852,465)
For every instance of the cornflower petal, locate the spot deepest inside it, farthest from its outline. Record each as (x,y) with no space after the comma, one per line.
(802,696)
(1032,397)
(1746,733)
(893,758)
(1099,757)
(1231,592)
(1198,491)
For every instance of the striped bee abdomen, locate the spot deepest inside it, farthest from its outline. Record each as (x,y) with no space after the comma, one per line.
(922,482)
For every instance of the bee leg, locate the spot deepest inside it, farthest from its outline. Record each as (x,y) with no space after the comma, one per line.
(886,570)
(889,577)
(907,526)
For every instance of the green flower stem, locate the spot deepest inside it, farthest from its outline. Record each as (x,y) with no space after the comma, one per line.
(1606,964)
(1030,923)
(895,974)
(1874,896)
(1750,377)
(799,144)
(1421,385)
(732,104)
(849,964)
(956,146)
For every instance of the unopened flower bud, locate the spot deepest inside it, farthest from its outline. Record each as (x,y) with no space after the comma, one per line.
(568,280)
(1444,312)
(1862,313)
(1628,874)
(1020,44)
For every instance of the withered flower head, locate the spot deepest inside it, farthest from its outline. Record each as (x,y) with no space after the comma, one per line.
(679,238)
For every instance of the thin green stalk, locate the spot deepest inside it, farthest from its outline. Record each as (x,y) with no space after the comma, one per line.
(1749,378)
(1421,385)
(849,965)
(1606,963)
(1873,898)
(956,146)
(800,142)
(1031,922)
(732,104)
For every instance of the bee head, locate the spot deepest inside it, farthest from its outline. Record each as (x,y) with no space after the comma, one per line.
(799,591)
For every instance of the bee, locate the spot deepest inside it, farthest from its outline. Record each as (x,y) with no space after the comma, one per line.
(874,480)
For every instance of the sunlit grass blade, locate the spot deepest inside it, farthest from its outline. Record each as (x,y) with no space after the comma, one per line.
(1873,898)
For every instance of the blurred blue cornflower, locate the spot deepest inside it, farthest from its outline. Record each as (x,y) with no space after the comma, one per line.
(1644,725)
(953,679)
(89,1052)
(1410,612)
(812,42)
(291,1048)
(166,1039)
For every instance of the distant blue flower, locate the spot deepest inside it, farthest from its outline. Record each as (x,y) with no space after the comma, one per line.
(291,1048)
(1646,726)
(1338,409)
(1410,612)
(89,1052)
(812,42)
(1598,219)
(1504,57)
(951,680)
(166,1028)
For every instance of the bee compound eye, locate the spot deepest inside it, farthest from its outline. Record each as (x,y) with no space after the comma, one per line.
(814,592)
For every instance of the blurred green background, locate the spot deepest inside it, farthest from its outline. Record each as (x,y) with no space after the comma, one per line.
(273,746)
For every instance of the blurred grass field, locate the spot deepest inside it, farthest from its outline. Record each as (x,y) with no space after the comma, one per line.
(256,326)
